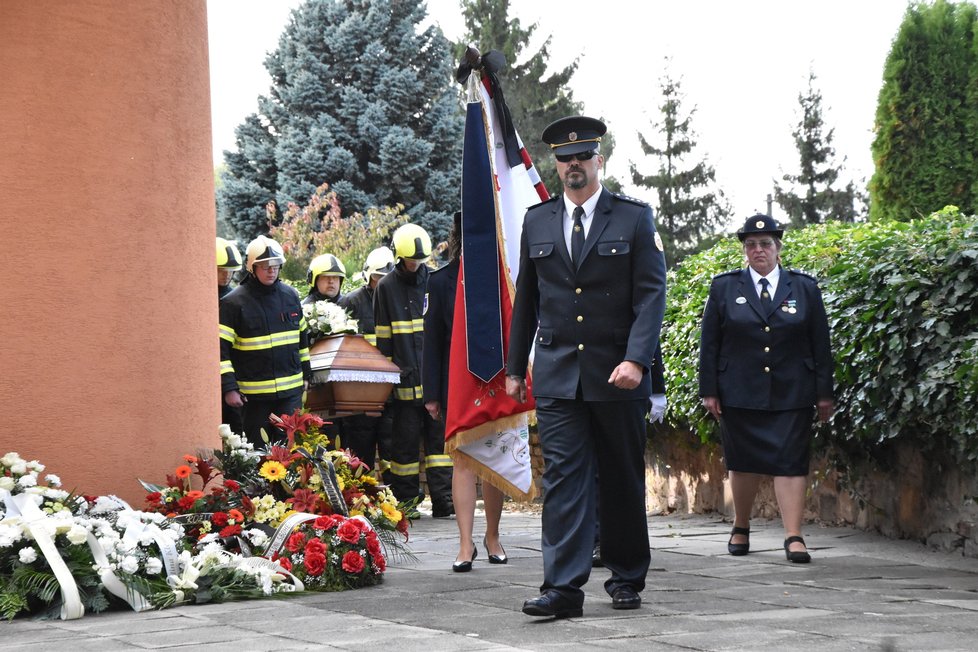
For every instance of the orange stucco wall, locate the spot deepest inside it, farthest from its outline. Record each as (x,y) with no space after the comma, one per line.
(108,349)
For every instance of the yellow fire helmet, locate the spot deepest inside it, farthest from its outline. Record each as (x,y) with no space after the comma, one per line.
(325,265)
(263,249)
(411,241)
(228,256)
(379,261)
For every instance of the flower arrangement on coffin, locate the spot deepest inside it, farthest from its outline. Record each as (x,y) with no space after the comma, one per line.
(65,554)
(333,553)
(326,318)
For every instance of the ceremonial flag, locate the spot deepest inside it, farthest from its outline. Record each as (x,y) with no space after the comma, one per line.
(486,430)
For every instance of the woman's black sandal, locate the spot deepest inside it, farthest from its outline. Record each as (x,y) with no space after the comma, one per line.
(739,549)
(796,557)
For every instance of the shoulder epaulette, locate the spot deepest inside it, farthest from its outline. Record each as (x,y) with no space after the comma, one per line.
(802,273)
(732,272)
(630,200)
(546,201)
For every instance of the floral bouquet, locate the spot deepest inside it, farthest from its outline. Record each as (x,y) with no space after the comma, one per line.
(333,553)
(326,318)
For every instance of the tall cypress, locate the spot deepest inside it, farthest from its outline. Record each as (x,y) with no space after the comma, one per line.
(926,145)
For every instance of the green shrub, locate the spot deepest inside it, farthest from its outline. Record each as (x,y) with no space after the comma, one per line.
(902,301)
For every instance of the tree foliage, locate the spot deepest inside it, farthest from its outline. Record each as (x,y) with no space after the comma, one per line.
(691,209)
(902,302)
(318,227)
(817,200)
(926,145)
(535,98)
(362,98)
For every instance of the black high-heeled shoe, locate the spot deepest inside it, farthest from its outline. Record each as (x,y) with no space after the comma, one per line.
(794,556)
(465,566)
(495,559)
(739,549)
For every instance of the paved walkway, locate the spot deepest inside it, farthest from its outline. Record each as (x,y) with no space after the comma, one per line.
(862,592)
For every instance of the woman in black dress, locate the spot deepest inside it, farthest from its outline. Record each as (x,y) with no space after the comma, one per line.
(765,368)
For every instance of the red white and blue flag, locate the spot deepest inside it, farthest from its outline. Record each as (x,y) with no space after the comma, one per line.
(485,429)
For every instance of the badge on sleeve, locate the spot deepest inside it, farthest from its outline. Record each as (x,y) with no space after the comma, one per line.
(658,242)
(424,309)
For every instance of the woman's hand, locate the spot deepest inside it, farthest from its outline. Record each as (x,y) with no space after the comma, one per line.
(826,407)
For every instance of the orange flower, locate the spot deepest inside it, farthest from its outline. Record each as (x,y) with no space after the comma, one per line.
(236,515)
(183,471)
(194,495)
(190,458)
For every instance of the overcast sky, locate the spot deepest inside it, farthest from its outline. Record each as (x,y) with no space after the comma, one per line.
(742,66)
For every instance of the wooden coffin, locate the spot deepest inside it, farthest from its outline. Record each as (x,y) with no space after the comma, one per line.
(349,376)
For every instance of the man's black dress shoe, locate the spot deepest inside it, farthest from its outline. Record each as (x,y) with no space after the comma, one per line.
(552,605)
(625,597)
(596,561)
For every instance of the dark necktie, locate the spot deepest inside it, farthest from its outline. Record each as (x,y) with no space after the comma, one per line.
(577,236)
(765,294)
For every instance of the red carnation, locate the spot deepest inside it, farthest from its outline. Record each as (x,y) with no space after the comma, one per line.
(295,542)
(315,547)
(219,519)
(153,497)
(230,531)
(316,564)
(186,502)
(349,531)
(232,485)
(352,562)
(284,563)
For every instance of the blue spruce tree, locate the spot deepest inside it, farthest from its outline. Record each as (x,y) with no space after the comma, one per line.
(361,98)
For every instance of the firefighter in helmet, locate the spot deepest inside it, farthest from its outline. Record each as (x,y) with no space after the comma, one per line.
(325,277)
(399,315)
(264,343)
(228,262)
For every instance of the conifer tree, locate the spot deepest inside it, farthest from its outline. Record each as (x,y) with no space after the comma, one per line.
(691,208)
(362,98)
(926,145)
(817,199)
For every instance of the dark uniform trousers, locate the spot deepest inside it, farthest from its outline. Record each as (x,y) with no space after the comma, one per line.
(413,426)
(584,319)
(579,440)
(255,413)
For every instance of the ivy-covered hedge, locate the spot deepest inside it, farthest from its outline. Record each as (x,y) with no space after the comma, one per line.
(902,301)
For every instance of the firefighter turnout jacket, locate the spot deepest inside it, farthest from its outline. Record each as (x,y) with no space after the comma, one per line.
(399,326)
(264,341)
(360,305)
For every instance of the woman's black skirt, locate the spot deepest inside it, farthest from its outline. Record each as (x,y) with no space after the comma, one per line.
(767,442)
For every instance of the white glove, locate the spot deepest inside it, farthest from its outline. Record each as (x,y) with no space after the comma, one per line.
(658,411)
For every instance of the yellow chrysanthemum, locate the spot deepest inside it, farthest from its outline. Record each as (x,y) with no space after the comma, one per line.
(368,479)
(272,471)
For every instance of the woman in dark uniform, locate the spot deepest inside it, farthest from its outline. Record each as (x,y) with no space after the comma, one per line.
(765,366)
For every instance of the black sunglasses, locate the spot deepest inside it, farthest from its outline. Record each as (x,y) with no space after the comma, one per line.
(580,156)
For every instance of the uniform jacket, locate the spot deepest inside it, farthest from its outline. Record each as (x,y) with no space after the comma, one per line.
(439,315)
(264,341)
(398,325)
(779,359)
(594,317)
(360,305)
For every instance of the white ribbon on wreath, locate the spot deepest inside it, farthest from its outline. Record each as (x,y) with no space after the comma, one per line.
(40,526)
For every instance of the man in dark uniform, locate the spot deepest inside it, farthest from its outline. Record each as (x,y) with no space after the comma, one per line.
(591,288)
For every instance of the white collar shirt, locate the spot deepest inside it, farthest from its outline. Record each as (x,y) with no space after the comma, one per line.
(772,280)
(589,205)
